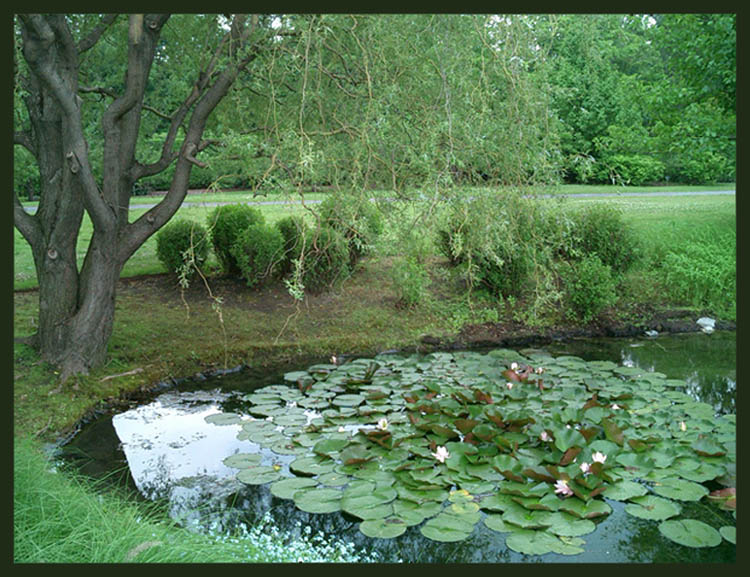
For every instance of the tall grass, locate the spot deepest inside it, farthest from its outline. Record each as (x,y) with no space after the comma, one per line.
(59,517)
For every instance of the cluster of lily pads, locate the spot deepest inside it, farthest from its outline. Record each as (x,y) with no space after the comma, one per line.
(530,445)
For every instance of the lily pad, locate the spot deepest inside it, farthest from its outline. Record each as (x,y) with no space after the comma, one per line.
(286,488)
(242,460)
(729,533)
(446,527)
(322,500)
(624,490)
(497,523)
(223,419)
(386,528)
(680,489)
(653,508)
(532,542)
(690,532)
(258,475)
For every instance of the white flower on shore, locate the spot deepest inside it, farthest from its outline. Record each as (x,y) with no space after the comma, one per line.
(441,454)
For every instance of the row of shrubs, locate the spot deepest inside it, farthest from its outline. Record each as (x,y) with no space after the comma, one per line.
(313,256)
(517,247)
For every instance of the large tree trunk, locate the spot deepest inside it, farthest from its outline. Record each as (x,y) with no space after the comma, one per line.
(76,308)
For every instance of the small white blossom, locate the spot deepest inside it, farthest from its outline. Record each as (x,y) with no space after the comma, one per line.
(383,424)
(599,457)
(509,385)
(683,426)
(585,468)
(441,454)
(562,487)
(513,366)
(545,437)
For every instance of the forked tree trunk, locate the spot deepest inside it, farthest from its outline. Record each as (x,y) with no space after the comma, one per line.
(77,308)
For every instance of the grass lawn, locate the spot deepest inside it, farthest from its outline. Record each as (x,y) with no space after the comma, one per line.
(161,332)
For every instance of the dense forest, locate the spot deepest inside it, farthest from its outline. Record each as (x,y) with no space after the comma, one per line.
(401,102)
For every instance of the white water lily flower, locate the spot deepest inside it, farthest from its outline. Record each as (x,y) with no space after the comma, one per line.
(539,370)
(509,385)
(441,454)
(585,468)
(683,426)
(383,424)
(342,430)
(599,457)
(545,437)
(513,366)
(615,407)
(562,487)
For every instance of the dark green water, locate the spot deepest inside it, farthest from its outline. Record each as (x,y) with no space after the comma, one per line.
(166,450)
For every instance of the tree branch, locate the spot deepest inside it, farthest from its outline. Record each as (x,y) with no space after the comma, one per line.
(93,36)
(26,223)
(24,139)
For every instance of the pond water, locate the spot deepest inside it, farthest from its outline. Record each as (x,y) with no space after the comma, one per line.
(166,450)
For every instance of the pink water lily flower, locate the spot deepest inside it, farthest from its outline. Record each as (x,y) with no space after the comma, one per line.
(545,437)
(599,457)
(441,454)
(562,488)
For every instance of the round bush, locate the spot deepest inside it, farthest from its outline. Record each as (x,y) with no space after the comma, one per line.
(589,287)
(227,223)
(325,258)
(600,230)
(180,242)
(292,229)
(356,218)
(257,252)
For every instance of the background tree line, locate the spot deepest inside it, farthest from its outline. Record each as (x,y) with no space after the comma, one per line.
(394,101)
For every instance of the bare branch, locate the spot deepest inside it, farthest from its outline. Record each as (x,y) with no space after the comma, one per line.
(112,94)
(93,37)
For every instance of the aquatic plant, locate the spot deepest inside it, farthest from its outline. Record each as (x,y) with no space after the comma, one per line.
(532,446)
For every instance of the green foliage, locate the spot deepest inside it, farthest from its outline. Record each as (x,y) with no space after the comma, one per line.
(226,224)
(292,229)
(589,286)
(324,258)
(633,169)
(599,229)
(703,272)
(411,281)
(181,244)
(356,218)
(258,252)
(497,238)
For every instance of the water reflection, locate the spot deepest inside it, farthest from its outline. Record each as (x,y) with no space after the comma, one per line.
(174,454)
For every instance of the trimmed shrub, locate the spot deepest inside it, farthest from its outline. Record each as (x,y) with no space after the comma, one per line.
(589,287)
(356,218)
(258,252)
(227,223)
(325,259)
(292,229)
(601,231)
(180,243)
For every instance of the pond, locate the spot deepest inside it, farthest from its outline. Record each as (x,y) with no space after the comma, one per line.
(197,447)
